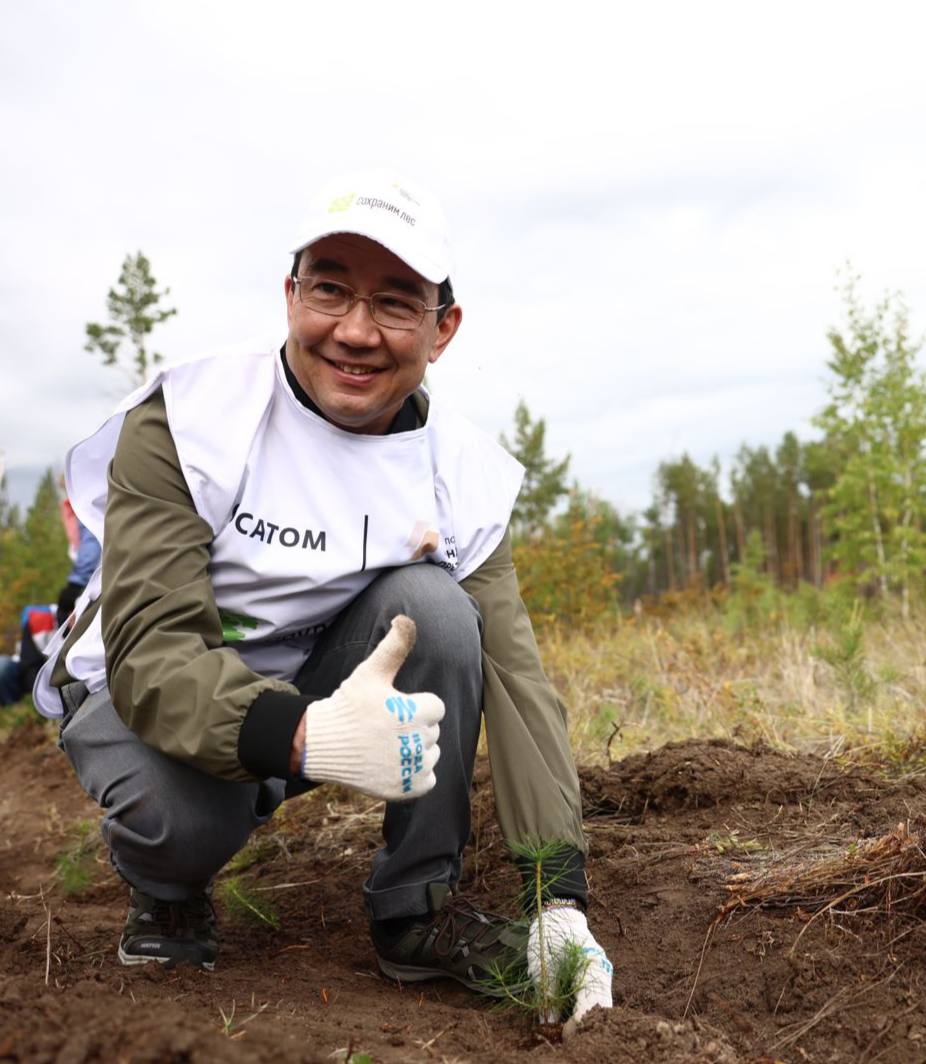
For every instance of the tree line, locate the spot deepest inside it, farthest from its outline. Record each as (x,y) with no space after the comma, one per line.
(848,506)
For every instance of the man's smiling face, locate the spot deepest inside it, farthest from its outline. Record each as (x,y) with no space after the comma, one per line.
(357,372)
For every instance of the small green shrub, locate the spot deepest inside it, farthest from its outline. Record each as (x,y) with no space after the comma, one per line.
(844,651)
(753,599)
(567,574)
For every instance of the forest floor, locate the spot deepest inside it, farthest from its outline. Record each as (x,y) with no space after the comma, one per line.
(698,978)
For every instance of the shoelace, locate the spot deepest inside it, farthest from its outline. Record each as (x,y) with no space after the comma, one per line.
(457,916)
(173,917)
(163,915)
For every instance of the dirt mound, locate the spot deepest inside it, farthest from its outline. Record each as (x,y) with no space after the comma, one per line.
(667,832)
(625,1036)
(711,772)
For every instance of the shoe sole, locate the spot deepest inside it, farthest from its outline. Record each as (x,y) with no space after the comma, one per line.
(131,960)
(407,973)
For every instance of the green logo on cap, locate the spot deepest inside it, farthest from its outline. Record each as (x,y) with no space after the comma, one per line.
(340,203)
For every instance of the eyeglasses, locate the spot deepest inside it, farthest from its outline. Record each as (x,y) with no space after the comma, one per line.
(392,310)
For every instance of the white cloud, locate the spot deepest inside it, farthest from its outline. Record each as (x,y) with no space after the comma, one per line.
(648,210)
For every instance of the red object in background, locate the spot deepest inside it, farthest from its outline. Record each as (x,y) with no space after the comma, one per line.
(40,619)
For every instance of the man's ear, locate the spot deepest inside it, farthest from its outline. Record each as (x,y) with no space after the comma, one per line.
(289,293)
(446,330)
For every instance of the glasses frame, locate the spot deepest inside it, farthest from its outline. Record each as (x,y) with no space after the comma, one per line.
(355,297)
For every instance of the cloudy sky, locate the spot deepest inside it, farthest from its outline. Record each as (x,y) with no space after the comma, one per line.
(648,206)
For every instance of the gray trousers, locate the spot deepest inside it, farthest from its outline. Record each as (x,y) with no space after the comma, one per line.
(170,828)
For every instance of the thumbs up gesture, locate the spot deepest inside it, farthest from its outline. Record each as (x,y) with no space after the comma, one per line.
(370,736)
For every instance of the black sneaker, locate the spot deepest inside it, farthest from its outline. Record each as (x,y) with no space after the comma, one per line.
(169,932)
(455,941)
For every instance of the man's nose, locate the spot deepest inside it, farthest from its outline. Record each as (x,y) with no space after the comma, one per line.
(357,326)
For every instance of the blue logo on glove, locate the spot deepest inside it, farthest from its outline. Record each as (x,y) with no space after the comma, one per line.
(411,760)
(599,957)
(403,708)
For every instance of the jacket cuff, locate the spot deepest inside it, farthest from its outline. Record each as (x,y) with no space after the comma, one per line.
(562,875)
(265,740)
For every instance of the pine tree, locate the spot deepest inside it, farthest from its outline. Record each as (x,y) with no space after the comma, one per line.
(134,312)
(652,535)
(756,487)
(789,460)
(544,478)
(688,500)
(717,522)
(819,465)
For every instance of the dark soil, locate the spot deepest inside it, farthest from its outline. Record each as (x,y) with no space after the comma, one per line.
(665,829)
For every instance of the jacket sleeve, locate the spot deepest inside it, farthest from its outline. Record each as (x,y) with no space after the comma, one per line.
(171,679)
(534,776)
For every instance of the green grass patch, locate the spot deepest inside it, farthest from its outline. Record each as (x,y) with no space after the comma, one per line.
(258,851)
(244,904)
(74,867)
(16,715)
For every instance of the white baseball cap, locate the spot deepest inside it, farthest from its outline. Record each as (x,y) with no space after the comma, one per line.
(389,209)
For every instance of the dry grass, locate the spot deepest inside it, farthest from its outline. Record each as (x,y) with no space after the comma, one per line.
(885,875)
(638,683)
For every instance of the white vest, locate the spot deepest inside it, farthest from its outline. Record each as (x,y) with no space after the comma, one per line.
(305,515)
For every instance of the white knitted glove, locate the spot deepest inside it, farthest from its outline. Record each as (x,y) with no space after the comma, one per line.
(369,736)
(562,925)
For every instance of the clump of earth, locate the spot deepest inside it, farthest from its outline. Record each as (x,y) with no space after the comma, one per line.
(668,832)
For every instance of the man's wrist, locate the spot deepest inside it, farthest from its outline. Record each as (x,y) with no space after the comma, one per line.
(297,754)
(561,903)
(266,738)
(562,875)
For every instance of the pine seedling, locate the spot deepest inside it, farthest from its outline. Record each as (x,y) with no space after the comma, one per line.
(244,904)
(556,992)
(569,975)
(845,654)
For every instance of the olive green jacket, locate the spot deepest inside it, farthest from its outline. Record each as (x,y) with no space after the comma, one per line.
(182,691)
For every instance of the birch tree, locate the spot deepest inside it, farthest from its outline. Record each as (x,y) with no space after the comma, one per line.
(876,419)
